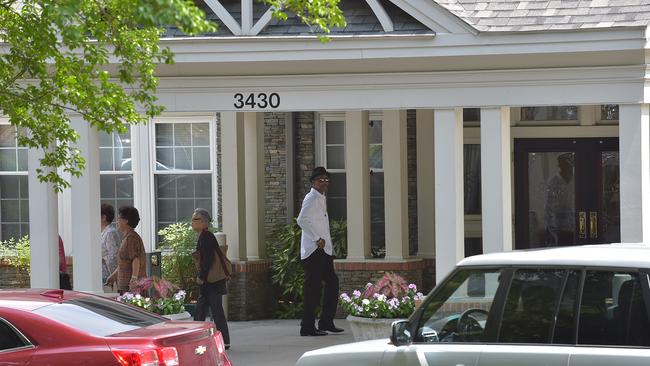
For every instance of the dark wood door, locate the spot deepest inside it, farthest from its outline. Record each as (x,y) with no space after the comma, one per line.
(566,192)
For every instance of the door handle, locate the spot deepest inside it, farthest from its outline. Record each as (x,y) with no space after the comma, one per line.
(582,224)
(593,225)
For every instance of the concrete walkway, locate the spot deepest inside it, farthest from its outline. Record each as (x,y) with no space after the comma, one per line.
(277,342)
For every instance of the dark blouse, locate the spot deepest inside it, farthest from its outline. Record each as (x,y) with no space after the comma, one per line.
(207,246)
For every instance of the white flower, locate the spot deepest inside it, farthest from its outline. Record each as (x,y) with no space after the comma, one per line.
(413,287)
(381,297)
(138,297)
(356,294)
(365,302)
(419,296)
(368,285)
(180,295)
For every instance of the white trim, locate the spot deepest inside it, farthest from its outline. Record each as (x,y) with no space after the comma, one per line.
(246,16)
(434,16)
(382,16)
(262,22)
(225,16)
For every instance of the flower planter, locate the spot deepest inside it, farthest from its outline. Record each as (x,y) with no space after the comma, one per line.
(180,316)
(370,328)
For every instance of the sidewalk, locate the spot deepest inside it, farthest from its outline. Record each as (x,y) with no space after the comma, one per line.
(277,342)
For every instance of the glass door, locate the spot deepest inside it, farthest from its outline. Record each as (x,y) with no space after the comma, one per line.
(566,192)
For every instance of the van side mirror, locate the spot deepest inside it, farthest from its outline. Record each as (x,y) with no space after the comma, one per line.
(400,334)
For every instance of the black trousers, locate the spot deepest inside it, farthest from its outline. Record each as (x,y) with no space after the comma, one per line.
(210,297)
(319,268)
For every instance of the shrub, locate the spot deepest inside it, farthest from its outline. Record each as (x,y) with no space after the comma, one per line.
(286,269)
(389,297)
(178,243)
(17,254)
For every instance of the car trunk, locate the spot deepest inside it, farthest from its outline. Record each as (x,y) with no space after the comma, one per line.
(194,341)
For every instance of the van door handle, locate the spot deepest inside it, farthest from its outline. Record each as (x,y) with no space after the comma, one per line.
(593,225)
(582,224)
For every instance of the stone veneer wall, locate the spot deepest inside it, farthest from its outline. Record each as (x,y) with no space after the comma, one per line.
(11,278)
(412,185)
(305,154)
(275,171)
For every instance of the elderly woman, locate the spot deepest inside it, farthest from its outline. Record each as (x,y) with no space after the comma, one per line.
(213,273)
(131,260)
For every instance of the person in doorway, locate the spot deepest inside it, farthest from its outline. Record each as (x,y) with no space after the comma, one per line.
(64,277)
(131,255)
(316,254)
(110,241)
(213,274)
(559,203)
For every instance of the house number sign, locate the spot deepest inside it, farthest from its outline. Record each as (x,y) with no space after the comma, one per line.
(256,100)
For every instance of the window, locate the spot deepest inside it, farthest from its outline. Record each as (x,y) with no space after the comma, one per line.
(116,169)
(609,112)
(99,316)
(14,194)
(459,310)
(333,128)
(9,338)
(612,311)
(183,172)
(528,316)
(551,113)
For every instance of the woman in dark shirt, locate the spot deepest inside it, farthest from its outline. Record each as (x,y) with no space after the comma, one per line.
(212,284)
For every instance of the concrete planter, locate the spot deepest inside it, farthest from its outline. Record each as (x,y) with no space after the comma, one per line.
(370,328)
(180,316)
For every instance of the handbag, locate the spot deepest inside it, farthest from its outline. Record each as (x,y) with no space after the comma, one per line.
(221,267)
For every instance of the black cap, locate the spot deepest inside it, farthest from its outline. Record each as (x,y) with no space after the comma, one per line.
(317,172)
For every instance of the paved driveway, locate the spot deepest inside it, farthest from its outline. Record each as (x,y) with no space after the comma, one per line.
(277,342)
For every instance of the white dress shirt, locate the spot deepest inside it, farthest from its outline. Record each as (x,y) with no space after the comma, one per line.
(315,224)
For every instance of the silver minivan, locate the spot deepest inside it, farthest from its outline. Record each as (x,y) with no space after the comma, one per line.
(568,306)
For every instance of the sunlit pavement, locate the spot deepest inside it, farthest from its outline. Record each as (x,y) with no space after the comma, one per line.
(277,342)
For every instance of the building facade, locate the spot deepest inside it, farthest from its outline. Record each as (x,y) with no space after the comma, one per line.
(450,127)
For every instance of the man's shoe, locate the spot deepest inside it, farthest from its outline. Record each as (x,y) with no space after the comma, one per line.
(332,328)
(313,332)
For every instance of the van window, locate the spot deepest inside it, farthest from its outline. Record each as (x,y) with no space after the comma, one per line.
(530,306)
(612,311)
(459,311)
(565,322)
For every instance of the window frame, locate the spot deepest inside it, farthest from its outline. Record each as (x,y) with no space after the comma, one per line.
(211,120)
(130,172)
(25,173)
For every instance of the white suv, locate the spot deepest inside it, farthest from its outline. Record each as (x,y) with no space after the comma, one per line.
(569,306)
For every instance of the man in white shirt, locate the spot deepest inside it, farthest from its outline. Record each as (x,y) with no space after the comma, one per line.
(316,255)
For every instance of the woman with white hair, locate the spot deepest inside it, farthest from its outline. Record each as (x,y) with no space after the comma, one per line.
(213,273)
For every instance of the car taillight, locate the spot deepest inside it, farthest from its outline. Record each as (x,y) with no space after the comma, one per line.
(167,356)
(222,356)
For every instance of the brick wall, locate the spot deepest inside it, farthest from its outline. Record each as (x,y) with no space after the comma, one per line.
(250,292)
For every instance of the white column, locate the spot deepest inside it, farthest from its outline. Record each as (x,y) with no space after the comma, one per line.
(143,183)
(426,183)
(496,180)
(233,202)
(395,184)
(448,146)
(634,150)
(254,173)
(85,233)
(43,227)
(357,184)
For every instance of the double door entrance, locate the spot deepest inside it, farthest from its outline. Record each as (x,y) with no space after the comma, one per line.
(566,192)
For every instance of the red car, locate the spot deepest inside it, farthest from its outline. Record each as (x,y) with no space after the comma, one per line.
(57,327)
